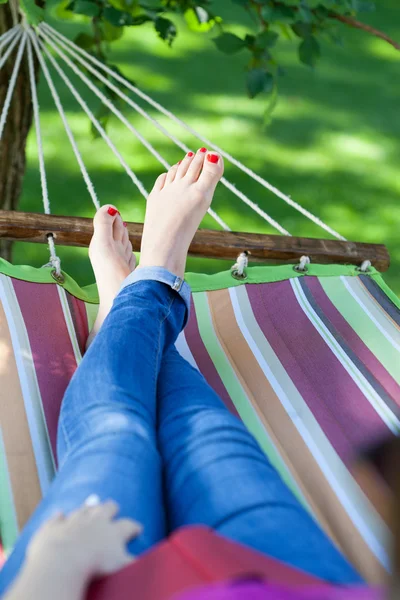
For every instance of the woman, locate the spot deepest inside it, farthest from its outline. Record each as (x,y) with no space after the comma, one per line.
(140,426)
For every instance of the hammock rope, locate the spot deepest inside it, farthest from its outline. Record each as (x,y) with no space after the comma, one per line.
(54,259)
(44,37)
(195,133)
(7,102)
(120,116)
(60,109)
(95,122)
(172,138)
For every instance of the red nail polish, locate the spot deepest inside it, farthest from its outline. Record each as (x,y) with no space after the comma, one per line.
(125,224)
(112,211)
(190,154)
(213,158)
(203,149)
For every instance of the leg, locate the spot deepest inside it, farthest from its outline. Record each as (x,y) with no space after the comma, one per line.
(217,475)
(107,442)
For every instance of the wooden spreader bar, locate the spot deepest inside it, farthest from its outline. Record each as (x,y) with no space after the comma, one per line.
(77,231)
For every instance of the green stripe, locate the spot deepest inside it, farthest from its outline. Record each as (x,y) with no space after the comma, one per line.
(375,309)
(198,281)
(8,519)
(343,480)
(91,313)
(377,277)
(370,394)
(235,389)
(70,325)
(364,327)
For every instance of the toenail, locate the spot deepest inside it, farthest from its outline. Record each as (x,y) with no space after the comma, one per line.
(125,224)
(203,150)
(213,158)
(190,154)
(112,211)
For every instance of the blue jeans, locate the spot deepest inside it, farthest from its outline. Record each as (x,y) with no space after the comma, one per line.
(139,425)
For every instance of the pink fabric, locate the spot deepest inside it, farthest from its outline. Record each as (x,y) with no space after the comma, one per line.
(262,591)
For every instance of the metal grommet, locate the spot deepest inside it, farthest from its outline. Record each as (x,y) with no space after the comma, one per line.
(299,269)
(236,275)
(59,278)
(365,267)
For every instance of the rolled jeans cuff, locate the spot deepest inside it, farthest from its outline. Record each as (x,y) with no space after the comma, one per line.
(162,275)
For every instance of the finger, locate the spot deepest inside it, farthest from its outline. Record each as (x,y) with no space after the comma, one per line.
(128,529)
(54,519)
(108,510)
(127,560)
(92,500)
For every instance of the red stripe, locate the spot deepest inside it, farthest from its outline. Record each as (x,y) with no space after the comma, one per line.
(203,360)
(345,415)
(79,318)
(354,342)
(51,346)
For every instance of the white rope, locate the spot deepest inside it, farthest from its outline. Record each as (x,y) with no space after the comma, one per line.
(35,104)
(7,36)
(304,262)
(241,265)
(11,47)
(133,104)
(13,80)
(202,138)
(95,122)
(365,266)
(60,108)
(121,117)
(54,259)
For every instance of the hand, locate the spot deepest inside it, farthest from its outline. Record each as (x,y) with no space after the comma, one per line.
(88,542)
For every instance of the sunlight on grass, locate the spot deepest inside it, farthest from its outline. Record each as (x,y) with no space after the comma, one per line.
(333,143)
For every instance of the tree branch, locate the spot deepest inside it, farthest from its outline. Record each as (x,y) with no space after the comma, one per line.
(359,25)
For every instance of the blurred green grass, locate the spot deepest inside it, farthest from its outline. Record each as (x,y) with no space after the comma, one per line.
(333,144)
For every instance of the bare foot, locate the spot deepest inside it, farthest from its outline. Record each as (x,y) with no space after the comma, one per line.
(112,259)
(175,209)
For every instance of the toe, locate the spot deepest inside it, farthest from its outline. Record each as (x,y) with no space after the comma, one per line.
(196,165)
(132,262)
(184,165)
(171,174)
(213,169)
(128,252)
(104,220)
(160,182)
(118,229)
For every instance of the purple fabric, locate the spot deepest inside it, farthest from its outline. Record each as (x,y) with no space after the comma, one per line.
(261,591)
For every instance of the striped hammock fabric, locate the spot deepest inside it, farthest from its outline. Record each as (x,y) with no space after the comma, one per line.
(309,362)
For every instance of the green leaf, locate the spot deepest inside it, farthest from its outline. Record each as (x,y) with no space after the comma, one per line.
(302,30)
(85,7)
(34,14)
(282,14)
(271,105)
(259,80)
(3,1)
(120,18)
(309,51)
(266,39)
(165,29)
(85,41)
(103,115)
(199,20)
(110,32)
(229,43)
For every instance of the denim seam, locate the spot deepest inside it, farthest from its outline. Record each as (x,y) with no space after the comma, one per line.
(155,377)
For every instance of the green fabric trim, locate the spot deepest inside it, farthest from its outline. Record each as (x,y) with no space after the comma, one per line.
(377,277)
(200,282)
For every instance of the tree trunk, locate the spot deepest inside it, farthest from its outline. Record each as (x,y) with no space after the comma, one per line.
(13,142)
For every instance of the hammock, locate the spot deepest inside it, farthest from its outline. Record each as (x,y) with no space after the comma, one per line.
(307,356)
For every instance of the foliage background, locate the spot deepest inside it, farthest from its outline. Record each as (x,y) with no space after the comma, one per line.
(333,143)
